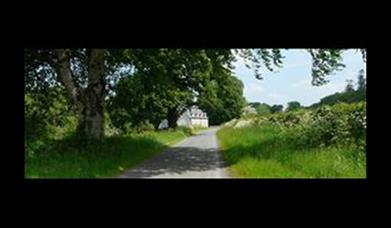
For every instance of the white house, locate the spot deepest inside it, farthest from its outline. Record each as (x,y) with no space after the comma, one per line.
(190,118)
(193,117)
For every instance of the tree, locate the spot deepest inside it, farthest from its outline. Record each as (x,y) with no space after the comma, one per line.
(361,82)
(293,105)
(222,99)
(81,72)
(349,95)
(137,102)
(261,108)
(43,110)
(187,70)
(88,74)
(325,62)
(276,108)
(89,100)
(131,105)
(349,86)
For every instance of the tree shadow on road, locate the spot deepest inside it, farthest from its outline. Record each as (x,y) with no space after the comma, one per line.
(177,161)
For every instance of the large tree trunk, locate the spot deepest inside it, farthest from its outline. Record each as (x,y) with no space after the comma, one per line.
(89,101)
(172,117)
(91,122)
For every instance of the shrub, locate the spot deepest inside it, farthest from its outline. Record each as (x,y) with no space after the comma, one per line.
(248,112)
(324,126)
(45,114)
(144,126)
(185,130)
(329,141)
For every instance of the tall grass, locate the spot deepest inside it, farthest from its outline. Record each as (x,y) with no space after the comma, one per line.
(68,158)
(268,152)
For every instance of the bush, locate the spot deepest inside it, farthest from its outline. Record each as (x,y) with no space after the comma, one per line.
(329,141)
(185,130)
(110,129)
(45,114)
(144,126)
(340,124)
(324,126)
(248,112)
(34,121)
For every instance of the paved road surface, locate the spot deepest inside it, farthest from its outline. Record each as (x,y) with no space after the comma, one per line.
(195,157)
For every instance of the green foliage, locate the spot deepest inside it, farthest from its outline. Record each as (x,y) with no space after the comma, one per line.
(138,102)
(293,105)
(34,123)
(269,152)
(197,129)
(344,97)
(350,95)
(248,112)
(47,111)
(329,141)
(269,58)
(361,82)
(222,99)
(276,108)
(326,125)
(325,62)
(349,86)
(144,126)
(261,108)
(186,130)
(185,70)
(69,158)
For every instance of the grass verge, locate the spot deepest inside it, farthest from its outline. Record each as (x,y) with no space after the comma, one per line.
(255,152)
(67,158)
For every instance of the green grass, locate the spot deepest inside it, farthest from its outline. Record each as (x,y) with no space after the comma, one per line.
(198,129)
(255,152)
(169,137)
(67,158)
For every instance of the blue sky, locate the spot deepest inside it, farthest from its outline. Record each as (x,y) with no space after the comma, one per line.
(293,81)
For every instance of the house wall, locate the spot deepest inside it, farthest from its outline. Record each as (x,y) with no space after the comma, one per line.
(186,120)
(203,122)
(195,122)
(163,124)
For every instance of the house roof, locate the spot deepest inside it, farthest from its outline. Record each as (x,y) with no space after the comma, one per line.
(196,112)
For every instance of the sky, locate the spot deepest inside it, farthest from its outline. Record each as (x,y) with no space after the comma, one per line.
(292,82)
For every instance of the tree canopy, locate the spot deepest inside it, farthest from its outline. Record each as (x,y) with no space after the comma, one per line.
(276,108)
(137,101)
(88,76)
(222,98)
(261,108)
(293,105)
(349,95)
